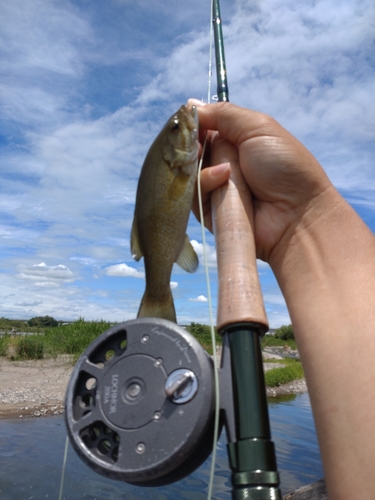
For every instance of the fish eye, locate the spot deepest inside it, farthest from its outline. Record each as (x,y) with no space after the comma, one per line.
(175,125)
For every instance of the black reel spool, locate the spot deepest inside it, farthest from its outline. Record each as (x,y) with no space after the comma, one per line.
(140,403)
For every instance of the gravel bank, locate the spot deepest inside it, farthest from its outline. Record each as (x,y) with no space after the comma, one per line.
(37,388)
(33,388)
(314,491)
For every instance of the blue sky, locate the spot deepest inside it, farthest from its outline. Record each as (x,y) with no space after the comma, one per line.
(85,86)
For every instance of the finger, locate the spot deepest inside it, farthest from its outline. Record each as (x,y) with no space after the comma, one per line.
(214,177)
(233,122)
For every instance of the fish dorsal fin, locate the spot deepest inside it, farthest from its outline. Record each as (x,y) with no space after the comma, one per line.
(188,259)
(134,243)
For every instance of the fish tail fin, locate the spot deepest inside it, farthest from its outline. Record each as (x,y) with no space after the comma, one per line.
(155,308)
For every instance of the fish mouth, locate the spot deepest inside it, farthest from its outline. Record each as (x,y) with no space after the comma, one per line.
(193,123)
(192,154)
(192,120)
(194,115)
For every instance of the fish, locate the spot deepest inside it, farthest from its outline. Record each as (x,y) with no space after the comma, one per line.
(163,203)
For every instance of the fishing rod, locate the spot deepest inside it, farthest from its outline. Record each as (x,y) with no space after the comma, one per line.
(241,318)
(140,403)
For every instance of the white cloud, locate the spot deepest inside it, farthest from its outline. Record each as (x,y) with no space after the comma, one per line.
(86,261)
(262,266)
(29,304)
(278,318)
(44,47)
(309,66)
(200,298)
(11,233)
(210,253)
(43,274)
(174,285)
(123,270)
(274,298)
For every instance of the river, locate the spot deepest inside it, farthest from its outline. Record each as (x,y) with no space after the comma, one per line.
(31,456)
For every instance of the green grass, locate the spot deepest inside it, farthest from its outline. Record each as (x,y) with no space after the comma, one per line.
(271,341)
(203,334)
(29,348)
(4,342)
(73,338)
(7,325)
(279,376)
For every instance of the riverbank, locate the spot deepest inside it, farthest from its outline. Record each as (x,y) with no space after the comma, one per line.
(36,388)
(279,353)
(33,388)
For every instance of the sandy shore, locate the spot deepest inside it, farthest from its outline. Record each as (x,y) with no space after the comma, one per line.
(33,388)
(37,388)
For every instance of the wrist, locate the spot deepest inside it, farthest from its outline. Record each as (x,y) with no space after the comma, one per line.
(310,258)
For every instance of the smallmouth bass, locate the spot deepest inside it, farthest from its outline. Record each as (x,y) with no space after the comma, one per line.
(163,202)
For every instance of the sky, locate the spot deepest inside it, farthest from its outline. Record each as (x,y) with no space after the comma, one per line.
(85,87)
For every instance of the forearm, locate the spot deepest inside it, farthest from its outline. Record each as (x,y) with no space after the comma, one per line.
(326,271)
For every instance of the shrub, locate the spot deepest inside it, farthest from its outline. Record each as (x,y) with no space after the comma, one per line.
(271,341)
(279,376)
(73,338)
(42,321)
(285,332)
(29,348)
(199,330)
(4,341)
(203,334)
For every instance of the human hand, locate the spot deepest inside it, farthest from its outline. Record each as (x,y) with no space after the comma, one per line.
(287,183)
(323,256)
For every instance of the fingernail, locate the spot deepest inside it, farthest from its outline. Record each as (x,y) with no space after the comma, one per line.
(196,102)
(218,170)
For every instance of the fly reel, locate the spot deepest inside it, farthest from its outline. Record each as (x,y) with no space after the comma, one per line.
(140,403)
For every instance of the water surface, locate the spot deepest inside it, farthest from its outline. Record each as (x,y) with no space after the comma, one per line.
(31,457)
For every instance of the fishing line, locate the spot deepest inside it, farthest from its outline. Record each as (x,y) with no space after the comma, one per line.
(212,328)
(63,468)
(209,297)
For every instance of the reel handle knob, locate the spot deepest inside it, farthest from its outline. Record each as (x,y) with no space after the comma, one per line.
(181,386)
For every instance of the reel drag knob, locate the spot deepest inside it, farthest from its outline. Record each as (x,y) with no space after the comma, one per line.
(140,403)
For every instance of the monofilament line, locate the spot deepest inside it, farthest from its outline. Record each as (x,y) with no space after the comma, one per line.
(63,468)
(209,298)
(212,328)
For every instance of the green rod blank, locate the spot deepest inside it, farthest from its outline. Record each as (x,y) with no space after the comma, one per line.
(221,71)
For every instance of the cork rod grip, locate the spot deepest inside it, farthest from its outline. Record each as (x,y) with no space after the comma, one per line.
(239,296)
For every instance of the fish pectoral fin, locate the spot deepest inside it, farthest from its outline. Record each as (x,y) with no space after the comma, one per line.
(134,243)
(188,259)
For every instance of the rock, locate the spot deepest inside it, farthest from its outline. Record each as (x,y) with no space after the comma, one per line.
(270,353)
(271,366)
(295,387)
(314,491)
(280,352)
